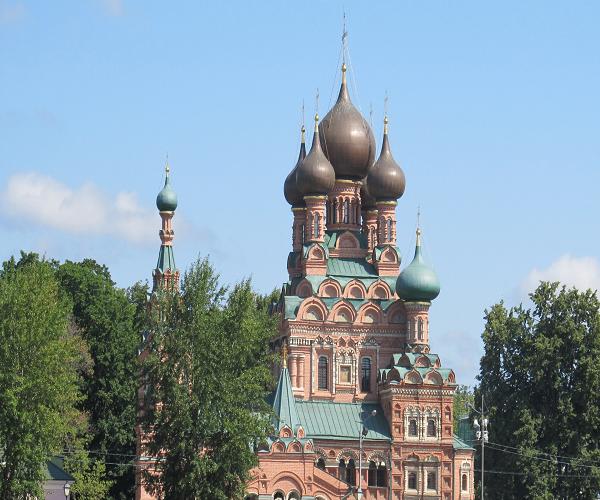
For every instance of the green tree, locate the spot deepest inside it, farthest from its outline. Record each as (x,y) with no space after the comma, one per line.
(540,379)
(208,367)
(107,320)
(38,375)
(463,399)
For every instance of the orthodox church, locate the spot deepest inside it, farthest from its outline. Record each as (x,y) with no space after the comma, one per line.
(363,408)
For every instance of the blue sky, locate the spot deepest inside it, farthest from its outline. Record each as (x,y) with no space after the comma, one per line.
(494,116)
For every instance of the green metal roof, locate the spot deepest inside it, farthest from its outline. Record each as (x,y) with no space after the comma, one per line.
(166,259)
(459,444)
(465,430)
(284,404)
(55,471)
(354,268)
(332,236)
(291,304)
(328,420)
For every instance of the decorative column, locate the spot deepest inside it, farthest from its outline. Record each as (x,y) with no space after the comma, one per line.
(314,227)
(343,208)
(386,223)
(369,227)
(300,371)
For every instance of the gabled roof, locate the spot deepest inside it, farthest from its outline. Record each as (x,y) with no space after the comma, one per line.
(284,404)
(328,420)
(350,267)
(55,471)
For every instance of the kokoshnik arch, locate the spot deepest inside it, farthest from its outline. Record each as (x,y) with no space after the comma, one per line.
(354,335)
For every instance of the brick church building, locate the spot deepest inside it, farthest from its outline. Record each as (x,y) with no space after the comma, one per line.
(363,408)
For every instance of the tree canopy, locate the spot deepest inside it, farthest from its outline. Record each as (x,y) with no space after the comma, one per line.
(39,393)
(207,377)
(540,379)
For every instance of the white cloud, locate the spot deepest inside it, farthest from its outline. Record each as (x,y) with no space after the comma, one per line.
(11,11)
(113,7)
(43,200)
(578,272)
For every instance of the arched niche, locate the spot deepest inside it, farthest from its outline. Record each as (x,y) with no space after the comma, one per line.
(396,314)
(330,288)
(347,240)
(379,290)
(342,312)
(312,309)
(304,289)
(369,314)
(316,253)
(433,378)
(389,255)
(355,290)
(413,377)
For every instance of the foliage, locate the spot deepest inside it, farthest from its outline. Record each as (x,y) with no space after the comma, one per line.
(207,378)
(38,377)
(463,400)
(540,378)
(89,474)
(107,321)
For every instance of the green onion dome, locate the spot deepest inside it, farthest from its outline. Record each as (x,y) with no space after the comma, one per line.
(386,178)
(315,175)
(290,188)
(348,141)
(166,201)
(418,282)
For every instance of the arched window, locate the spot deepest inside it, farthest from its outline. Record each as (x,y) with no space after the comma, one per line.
(372,474)
(431,428)
(389,229)
(431,481)
(316,228)
(365,379)
(323,373)
(351,472)
(412,427)
(381,475)
(279,495)
(346,212)
(420,329)
(293,495)
(464,483)
(321,464)
(342,469)
(412,480)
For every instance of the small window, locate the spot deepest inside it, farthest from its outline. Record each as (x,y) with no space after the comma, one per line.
(346,212)
(389,230)
(412,427)
(431,481)
(381,475)
(279,496)
(321,464)
(345,372)
(372,474)
(464,483)
(316,223)
(351,472)
(323,373)
(431,428)
(420,329)
(342,469)
(365,380)
(412,480)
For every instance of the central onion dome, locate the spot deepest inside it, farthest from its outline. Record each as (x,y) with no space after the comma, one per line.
(347,139)
(386,178)
(418,282)
(166,201)
(290,188)
(315,175)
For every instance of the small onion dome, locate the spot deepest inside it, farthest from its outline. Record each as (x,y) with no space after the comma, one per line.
(315,175)
(166,201)
(367,202)
(418,282)
(386,178)
(290,189)
(347,139)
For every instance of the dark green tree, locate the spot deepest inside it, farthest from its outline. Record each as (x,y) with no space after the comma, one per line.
(107,321)
(38,375)
(540,379)
(208,370)
(463,400)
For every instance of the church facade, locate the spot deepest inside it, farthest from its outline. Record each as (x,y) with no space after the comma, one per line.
(363,408)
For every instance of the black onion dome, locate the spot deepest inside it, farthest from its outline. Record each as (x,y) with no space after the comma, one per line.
(386,178)
(315,175)
(290,188)
(367,202)
(347,139)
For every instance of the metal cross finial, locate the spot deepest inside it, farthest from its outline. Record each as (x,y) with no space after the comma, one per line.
(167,167)
(344,39)
(419,216)
(302,113)
(385,103)
(317,102)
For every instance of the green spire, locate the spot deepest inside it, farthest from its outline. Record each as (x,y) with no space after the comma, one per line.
(418,282)
(284,404)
